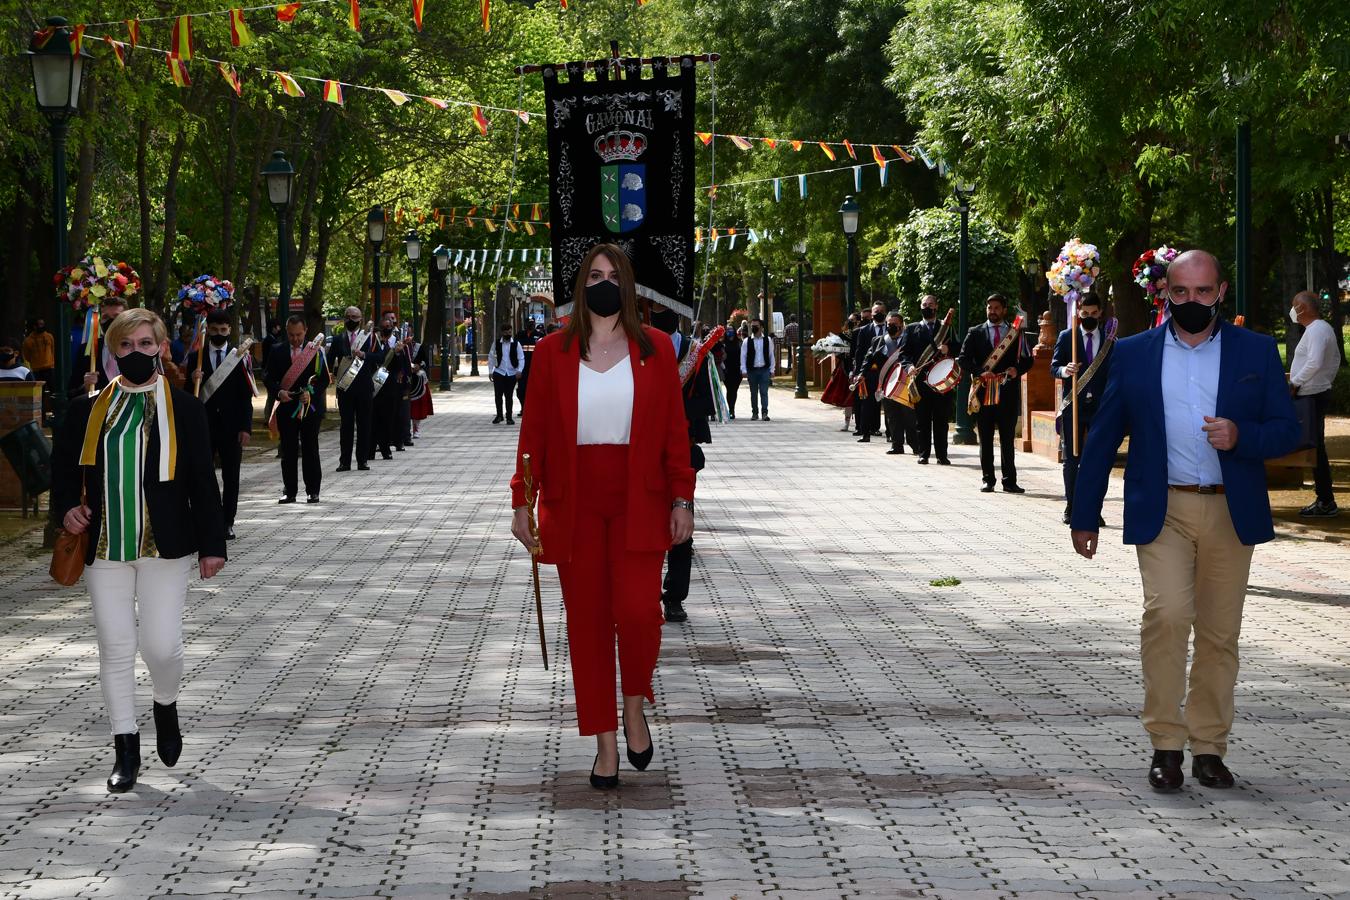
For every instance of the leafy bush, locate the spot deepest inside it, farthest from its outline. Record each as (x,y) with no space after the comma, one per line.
(927,260)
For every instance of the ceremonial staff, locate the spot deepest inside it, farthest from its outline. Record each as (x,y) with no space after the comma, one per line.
(534,555)
(1073,384)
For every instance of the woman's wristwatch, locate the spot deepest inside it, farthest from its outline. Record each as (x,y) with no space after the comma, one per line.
(678,503)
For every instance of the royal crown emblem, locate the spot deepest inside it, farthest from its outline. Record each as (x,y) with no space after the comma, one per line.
(620,145)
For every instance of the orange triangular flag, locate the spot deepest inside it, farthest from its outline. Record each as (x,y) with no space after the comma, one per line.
(796,146)
(771,143)
(354,14)
(117,51)
(286,12)
(417,13)
(478,118)
(828,152)
(487,15)
(876,154)
(849,148)
(900,151)
(705,136)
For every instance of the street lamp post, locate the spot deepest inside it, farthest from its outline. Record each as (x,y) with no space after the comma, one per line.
(473,326)
(412,246)
(442,256)
(848,216)
(801,393)
(57,76)
(963,193)
(375,233)
(280,176)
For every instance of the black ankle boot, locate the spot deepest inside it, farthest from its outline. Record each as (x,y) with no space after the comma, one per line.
(128,763)
(168,739)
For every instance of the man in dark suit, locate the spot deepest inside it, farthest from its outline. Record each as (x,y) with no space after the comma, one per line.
(355,402)
(81,380)
(297,374)
(1205,404)
(999,378)
(228,399)
(934,410)
(866,411)
(887,343)
(389,353)
(1094,362)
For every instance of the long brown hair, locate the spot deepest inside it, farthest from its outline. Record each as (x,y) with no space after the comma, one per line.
(579,325)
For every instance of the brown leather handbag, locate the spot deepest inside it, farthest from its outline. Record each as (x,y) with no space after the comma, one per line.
(69,551)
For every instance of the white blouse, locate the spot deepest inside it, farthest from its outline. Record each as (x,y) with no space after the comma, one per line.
(605,404)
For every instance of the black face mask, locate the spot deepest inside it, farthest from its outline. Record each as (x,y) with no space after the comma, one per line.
(137,367)
(386,330)
(879,318)
(929,314)
(39,328)
(755,331)
(892,330)
(1193,317)
(602,298)
(666,320)
(219,340)
(7,360)
(353,325)
(1089,323)
(107,321)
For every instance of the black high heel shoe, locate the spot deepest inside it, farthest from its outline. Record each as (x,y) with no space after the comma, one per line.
(603,782)
(168,739)
(640,761)
(127,764)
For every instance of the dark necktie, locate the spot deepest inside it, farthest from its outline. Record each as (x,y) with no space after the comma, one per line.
(1087,339)
(998,335)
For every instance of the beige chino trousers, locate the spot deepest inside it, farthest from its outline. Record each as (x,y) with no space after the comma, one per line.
(1195,580)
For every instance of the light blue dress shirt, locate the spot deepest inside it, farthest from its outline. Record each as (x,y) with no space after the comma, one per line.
(1190,389)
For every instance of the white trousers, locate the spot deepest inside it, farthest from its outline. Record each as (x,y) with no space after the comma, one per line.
(157,590)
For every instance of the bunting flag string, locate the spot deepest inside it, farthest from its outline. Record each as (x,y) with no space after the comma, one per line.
(180,39)
(212,12)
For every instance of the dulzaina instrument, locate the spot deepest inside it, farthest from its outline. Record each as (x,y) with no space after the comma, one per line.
(991,388)
(534,554)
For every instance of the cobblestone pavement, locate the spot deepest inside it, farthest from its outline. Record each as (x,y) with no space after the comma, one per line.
(366,713)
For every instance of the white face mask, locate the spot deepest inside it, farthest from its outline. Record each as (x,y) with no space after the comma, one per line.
(1293,316)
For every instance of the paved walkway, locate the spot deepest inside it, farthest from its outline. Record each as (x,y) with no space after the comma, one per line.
(366,714)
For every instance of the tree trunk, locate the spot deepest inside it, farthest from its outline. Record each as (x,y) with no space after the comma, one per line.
(143,194)
(314,301)
(260,154)
(84,182)
(228,183)
(1328,264)
(161,283)
(20,299)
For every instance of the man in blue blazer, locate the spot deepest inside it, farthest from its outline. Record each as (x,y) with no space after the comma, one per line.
(1093,367)
(1205,404)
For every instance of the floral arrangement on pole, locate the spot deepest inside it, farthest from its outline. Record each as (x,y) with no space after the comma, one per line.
(1150,271)
(95,279)
(1074,271)
(202,295)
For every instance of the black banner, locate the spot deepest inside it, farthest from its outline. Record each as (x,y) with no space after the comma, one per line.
(621,171)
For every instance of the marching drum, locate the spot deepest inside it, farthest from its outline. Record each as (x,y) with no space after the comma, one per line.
(894,388)
(349,373)
(419,386)
(943,376)
(379,378)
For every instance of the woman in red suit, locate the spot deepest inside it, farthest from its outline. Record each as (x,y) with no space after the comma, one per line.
(609,450)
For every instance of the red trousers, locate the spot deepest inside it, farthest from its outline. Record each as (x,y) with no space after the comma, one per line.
(610,592)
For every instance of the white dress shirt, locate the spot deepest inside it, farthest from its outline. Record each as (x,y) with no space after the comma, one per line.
(1316,359)
(1190,389)
(605,404)
(763,352)
(503,355)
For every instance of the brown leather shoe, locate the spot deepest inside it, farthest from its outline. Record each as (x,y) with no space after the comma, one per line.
(1165,775)
(1210,771)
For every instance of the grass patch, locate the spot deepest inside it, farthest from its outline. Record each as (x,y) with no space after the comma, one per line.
(948,581)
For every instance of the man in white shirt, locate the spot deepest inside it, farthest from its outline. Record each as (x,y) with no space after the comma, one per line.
(505,360)
(757,366)
(1311,373)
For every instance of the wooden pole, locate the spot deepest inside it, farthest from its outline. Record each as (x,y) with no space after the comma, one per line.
(93,349)
(1073,386)
(201,352)
(534,556)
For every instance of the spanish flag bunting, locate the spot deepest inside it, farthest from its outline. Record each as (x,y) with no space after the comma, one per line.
(240,36)
(439,104)
(740,142)
(472,210)
(118,53)
(290,85)
(231,78)
(705,136)
(397,97)
(712,191)
(180,41)
(698,235)
(510,225)
(496,208)
(479,119)
(900,152)
(524,116)
(796,146)
(76,39)
(286,12)
(515,210)
(453,213)
(468,222)
(641,2)
(714,234)
(417,13)
(876,154)
(828,152)
(487,15)
(771,143)
(849,148)
(529,229)
(354,14)
(178,71)
(41,37)
(332,91)
(534,212)
(134,33)
(564,4)
(490,225)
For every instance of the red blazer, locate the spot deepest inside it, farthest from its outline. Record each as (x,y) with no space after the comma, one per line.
(658,448)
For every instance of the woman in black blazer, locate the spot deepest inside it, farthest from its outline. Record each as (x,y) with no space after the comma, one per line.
(141,451)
